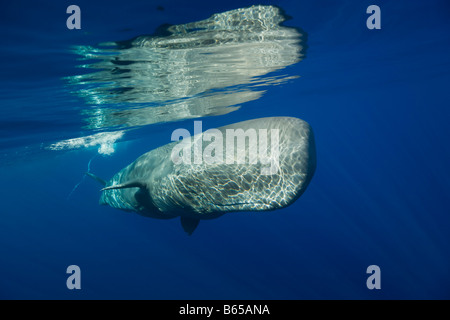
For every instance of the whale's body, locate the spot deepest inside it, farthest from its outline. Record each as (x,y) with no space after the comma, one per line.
(159,185)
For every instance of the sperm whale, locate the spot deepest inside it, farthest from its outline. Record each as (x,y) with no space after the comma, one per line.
(255,165)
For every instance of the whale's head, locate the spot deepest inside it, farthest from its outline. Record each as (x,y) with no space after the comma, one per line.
(132,196)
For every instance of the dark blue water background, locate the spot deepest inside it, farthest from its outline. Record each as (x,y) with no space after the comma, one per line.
(378,101)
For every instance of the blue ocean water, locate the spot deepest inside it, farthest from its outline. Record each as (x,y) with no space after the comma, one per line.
(377,101)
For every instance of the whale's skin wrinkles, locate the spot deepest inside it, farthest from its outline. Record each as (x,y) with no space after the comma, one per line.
(205,191)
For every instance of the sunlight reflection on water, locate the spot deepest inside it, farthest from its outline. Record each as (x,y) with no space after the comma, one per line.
(203,68)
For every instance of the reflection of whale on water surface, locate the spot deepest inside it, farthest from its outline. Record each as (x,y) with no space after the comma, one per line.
(156,186)
(197,69)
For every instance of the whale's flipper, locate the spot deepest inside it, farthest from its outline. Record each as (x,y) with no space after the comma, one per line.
(129,184)
(189,224)
(103,182)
